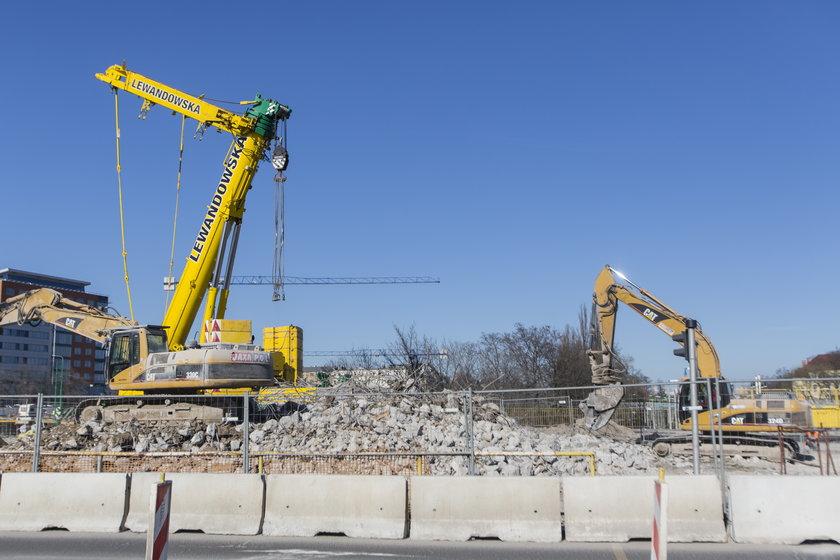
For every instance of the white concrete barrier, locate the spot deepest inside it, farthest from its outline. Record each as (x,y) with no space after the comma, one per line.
(620,508)
(358,506)
(72,501)
(219,504)
(783,509)
(509,508)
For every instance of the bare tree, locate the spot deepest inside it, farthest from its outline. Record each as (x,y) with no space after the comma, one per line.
(414,353)
(460,365)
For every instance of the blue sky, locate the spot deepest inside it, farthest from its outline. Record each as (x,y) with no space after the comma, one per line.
(509,149)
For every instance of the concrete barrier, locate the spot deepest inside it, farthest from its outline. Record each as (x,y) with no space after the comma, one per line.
(620,508)
(509,508)
(72,501)
(783,509)
(358,506)
(219,504)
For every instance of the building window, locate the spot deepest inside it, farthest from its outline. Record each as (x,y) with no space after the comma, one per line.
(77,363)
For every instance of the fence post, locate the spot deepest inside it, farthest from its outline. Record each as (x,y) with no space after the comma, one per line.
(470,435)
(691,356)
(246,433)
(39,419)
(711,411)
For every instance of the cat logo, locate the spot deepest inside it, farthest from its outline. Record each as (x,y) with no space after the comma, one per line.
(69,322)
(654,317)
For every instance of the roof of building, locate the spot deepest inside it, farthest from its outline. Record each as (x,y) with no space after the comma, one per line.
(36,278)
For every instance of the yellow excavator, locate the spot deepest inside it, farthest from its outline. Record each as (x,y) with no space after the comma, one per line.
(157,358)
(740,420)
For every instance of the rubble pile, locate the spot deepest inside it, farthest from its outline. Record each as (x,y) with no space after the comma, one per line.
(351,422)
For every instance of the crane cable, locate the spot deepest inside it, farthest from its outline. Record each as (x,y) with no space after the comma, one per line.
(175,219)
(122,218)
(279,267)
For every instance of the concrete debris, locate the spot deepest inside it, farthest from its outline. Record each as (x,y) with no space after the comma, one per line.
(387,423)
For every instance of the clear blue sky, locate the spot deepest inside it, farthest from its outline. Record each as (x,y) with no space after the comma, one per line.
(510,149)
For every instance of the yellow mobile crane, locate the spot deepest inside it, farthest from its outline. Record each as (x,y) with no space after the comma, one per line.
(155,358)
(739,419)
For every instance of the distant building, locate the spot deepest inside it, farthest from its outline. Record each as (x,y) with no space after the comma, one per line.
(45,358)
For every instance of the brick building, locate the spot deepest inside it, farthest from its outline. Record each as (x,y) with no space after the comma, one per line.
(45,358)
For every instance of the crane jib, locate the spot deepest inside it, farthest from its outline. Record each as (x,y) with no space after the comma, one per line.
(215,204)
(164,95)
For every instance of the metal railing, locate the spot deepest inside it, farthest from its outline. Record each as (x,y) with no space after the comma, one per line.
(439,433)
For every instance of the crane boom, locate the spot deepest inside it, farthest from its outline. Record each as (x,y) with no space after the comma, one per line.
(151,91)
(252,135)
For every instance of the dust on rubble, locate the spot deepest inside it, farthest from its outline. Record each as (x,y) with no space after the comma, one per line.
(333,431)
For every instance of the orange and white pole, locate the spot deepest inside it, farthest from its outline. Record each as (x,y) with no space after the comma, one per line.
(157,535)
(659,540)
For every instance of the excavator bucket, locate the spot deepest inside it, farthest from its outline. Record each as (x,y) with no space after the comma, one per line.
(600,405)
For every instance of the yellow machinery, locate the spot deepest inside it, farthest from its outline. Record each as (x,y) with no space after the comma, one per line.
(155,358)
(600,405)
(252,133)
(737,417)
(286,345)
(825,401)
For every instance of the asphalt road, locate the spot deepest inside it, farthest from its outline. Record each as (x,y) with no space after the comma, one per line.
(56,545)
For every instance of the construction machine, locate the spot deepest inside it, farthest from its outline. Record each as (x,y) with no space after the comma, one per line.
(157,358)
(743,421)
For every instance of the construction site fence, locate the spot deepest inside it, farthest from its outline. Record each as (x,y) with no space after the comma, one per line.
(46,432)
(402,464)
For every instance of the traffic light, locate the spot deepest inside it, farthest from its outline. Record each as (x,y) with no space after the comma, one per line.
(683,338)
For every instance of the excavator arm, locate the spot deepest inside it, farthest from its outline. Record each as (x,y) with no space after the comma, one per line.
(252,132)
(47,305)
(612,287)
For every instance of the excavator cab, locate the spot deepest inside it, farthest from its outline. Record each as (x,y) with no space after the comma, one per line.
(129,347)
(703,400)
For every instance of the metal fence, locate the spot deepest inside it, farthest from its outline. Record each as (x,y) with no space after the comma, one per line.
(330,431)
(650,415)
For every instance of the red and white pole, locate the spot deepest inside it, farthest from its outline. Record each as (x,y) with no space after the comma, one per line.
(157,535)
(659,540)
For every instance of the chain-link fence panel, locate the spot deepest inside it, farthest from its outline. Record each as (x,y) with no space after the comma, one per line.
(327,431)
(353,464)
(17,414)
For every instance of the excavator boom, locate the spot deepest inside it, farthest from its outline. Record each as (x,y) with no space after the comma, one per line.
(49,306)
(611,287)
